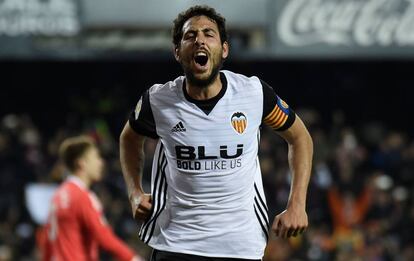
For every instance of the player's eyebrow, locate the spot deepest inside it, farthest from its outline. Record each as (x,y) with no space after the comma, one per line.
(204,30)
(209,30)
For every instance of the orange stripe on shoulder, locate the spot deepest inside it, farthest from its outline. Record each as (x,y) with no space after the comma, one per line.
(275,117)
(271,113)
(281,121)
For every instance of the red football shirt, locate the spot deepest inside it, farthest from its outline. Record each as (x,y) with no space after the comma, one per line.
(76,226)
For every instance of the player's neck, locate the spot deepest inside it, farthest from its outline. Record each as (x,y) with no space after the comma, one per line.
(84,178)
(204,93)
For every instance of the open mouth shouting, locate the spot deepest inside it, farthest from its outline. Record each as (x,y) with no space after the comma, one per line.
(201,60)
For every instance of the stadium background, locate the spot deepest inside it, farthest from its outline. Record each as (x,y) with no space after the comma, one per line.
(70,67)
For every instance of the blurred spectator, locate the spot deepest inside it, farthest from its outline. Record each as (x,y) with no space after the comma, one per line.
(76,227)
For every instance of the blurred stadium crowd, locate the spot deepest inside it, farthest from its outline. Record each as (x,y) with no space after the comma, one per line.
(360,199)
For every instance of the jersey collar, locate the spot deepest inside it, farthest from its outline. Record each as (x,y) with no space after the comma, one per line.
(78,182)
(208,105)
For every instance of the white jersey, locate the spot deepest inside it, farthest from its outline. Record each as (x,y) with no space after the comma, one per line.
(207,190)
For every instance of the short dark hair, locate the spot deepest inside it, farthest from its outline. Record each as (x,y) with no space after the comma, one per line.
(72,149)
(198,10)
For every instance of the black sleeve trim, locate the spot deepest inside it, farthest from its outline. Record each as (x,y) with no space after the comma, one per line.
(269,98)
(144,122)
(272,100)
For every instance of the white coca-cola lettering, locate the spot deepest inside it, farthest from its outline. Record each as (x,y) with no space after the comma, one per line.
(49,17)
(347,22)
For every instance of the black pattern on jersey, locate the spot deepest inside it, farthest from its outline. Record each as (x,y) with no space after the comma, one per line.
(159,197)
(179,127)
(261,210)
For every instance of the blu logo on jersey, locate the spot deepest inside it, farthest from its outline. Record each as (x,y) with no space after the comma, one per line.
(190,153)
(196,158)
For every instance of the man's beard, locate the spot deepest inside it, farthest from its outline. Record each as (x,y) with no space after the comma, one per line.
(202,83)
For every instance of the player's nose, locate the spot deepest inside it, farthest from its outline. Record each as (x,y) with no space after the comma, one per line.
(199,39)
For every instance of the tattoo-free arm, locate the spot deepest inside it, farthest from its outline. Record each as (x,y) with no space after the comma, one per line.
(132,164)
(294,220)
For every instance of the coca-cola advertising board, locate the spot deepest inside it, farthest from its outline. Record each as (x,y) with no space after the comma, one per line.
(39,17)
(326,28)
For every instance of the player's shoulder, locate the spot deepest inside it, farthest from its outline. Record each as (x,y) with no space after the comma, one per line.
(239,80)
(76,191)
(68,195)
(168,87)
(95,202)
(82,196)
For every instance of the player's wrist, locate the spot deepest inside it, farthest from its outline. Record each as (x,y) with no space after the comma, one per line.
(135,195)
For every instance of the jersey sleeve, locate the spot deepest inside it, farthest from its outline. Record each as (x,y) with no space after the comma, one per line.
(141,119)
(93,219)
(43,243)
(276,113)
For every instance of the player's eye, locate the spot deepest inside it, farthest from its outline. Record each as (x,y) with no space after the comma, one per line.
(189,36)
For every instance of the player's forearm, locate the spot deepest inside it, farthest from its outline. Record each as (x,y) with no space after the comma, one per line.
(113,244)
(132,159)
(300,162)
(119,249)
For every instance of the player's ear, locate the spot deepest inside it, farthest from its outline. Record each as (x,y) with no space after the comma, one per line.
(80,164)
(225,50)
(177,53)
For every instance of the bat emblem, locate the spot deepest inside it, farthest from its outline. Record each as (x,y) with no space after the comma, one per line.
(239,122)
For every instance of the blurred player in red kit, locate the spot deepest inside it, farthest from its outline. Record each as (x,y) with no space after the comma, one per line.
(76,226)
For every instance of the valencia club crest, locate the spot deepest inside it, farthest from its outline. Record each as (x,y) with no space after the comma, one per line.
(239,122)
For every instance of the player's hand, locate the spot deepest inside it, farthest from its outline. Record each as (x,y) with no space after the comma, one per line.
(141,205)
(291,222)
(137,258)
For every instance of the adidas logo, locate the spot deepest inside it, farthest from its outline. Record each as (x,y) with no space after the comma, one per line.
(179,127)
